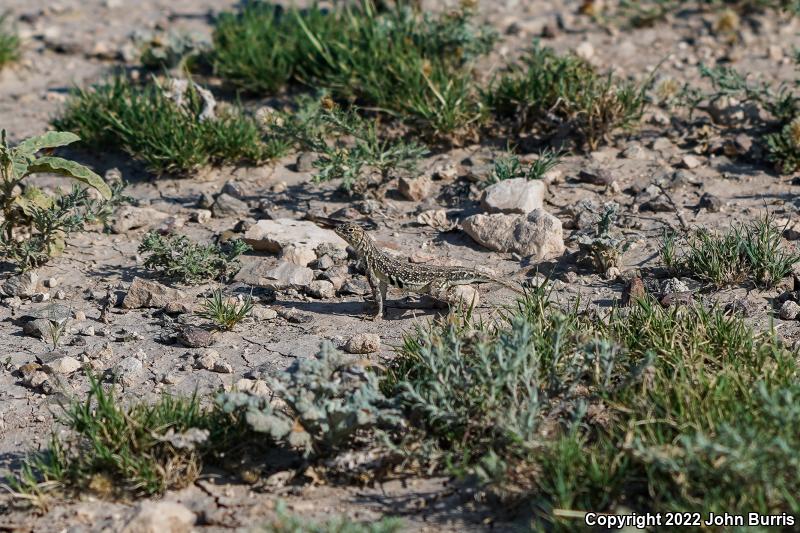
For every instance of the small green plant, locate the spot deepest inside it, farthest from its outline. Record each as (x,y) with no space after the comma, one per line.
(410,65)
(185,129)
(112,450)
(753,251)
(224,311)
(35,225)
(783,147)
(286,523)
(356,148)
(9,42)
(329,402)
(548,91)
(181,259)
(602,249)
(510,167)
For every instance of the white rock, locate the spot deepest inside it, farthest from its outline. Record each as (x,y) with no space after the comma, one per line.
(518,195)
(286,275)
(274,235)
(363,343)
(789,310)
(319,288)
(161,517)
(299,254)
(130,217)
(264,313)
(415,189)
(537,235)
(207,360)
(585,50)
(129,371)
(64,365)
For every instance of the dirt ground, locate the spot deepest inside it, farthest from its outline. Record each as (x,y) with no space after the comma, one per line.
(76,42)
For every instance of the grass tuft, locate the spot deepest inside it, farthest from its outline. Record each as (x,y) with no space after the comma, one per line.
(226,312)
(287,523)
(547,91)
(751,252)
(9,42)
(170,135)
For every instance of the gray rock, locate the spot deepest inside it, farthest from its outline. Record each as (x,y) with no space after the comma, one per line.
(274,235)
(673,285)
(22,285)
(233,188)
(160,517)
(63,365)
(226,205)
(712,203)
(537,235)
(305,161)
(195,337)
(415,189)
(596,176)
(282,276)
(363,343)
(211,360)
(147,293)
(325,262)
(321,289)
(129,371)
(129,217)
(295,316)
(264,313)
(358,287)
(518,195)
(39,328)
(789,310)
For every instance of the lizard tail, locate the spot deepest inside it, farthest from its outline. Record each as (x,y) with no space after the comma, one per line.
(513,286)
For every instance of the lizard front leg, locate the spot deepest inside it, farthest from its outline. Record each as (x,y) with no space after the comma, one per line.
(378,292)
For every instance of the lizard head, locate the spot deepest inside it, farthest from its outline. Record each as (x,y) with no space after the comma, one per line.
(352,233)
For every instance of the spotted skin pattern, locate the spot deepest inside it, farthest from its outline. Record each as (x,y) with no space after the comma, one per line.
(384,270)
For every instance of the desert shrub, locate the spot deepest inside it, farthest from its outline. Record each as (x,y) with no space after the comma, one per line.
(329,403)
(348,146)
(652,408)
(225,312)
(9,42)
(412,65)
(178,258)
(545,91)
(752,251)
(172,129)
(113,450)
(35,225)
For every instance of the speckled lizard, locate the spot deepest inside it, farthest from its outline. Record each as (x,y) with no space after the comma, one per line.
(384,270)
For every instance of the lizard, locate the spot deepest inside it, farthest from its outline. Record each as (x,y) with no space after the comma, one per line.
(384,270)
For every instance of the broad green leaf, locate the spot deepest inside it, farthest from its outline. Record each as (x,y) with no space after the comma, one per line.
(19,164)
(51,139)
(58,165)
(33,197)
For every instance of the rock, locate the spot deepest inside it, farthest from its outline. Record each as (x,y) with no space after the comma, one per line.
(634,151)
(201,216)
(195,337)
(726,110)
(445,171)
(50,283)
(690,161)
(226,205)
(597,176)
(359,287)
(211,360)
(286,275)
(39,328)
(129,371)
(264,313)
(161,517)
(518,195)
(128,217)
(437,219)
(325,262)
(178,308)
(585,50)
(673,285)
(712,203)
(321,289)
(537,235)
(22,285)
(363,343)
(633,291)
(295,316)
(147,293)
(659,204)
(274,235)
(415,189)
(789,310)
(677,298)
(256,387)
(302,255)
(743,306)
(460,295)
(305,161)
(79,315)
(233,188)
(63,365)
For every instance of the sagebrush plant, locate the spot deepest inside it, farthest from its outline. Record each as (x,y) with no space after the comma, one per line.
(400,61)
(546,91)
(34,224)
(328,402)
(224,311)
(285,522)
(9,42)
(183,132)
(114,450)
(562,409)
(348,146)
(752,251)
(178,258)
